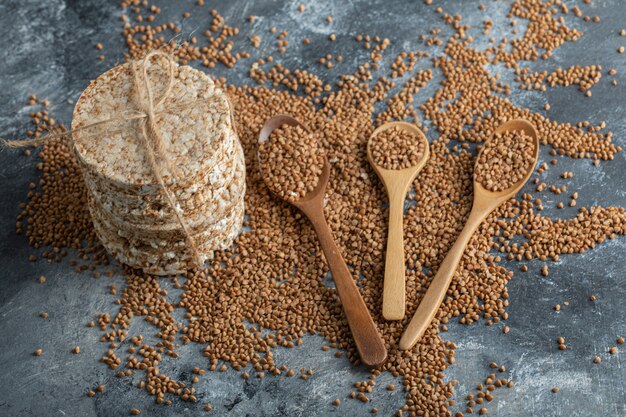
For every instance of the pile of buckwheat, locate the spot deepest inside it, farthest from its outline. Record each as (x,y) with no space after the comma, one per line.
(504,160)
(267,290)
(291,162)
(396,148)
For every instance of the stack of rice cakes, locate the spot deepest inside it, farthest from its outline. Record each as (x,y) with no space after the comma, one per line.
(132,217)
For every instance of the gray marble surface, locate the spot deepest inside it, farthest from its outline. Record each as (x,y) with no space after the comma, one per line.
(46,48)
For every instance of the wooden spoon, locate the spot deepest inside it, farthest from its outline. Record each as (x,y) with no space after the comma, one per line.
(397,183)
(368,341)
(484,203)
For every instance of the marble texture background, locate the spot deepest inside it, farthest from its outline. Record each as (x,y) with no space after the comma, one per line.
(46,48)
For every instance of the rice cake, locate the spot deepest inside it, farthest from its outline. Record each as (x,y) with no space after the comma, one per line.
(191,136)
(132,218)
(155,212)
(165,257)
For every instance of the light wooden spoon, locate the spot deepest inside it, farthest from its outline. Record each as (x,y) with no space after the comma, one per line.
(397,183)
(484,203)
(368,341)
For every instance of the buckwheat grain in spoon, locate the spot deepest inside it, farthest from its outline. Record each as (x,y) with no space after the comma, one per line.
(298,171)
(504,164)
(397,151)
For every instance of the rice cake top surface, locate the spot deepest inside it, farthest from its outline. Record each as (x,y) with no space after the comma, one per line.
(192,120)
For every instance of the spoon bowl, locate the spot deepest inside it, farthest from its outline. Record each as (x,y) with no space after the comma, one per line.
(320,189)
(390,175)
(485,202)
(368,341)
(529,130)
(397,183)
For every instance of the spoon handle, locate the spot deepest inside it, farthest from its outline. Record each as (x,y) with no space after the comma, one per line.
(439,286)
(394,298)
(368,341)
